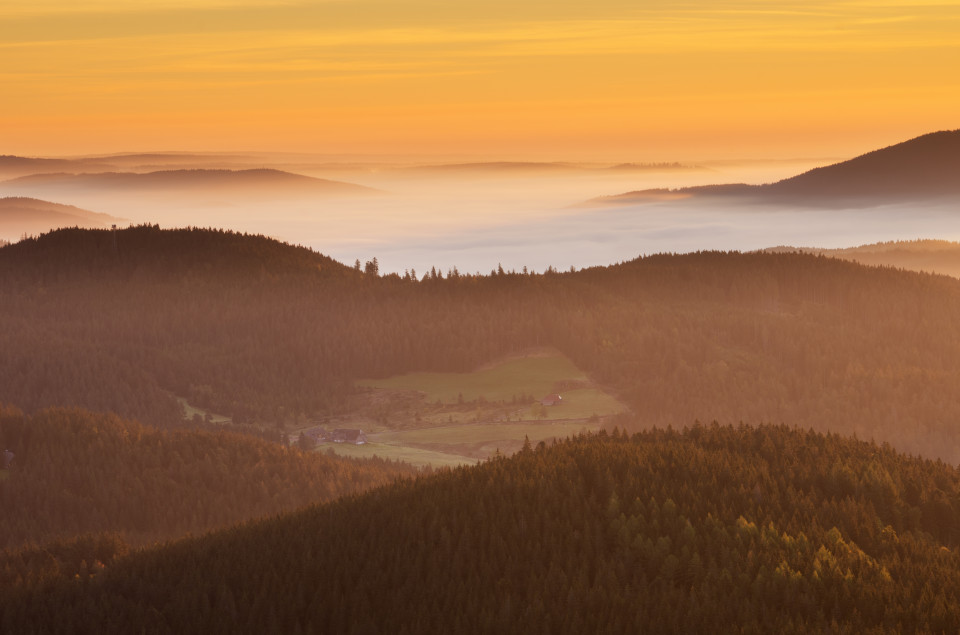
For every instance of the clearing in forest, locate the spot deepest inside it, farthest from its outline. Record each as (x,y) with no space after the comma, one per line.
(446,418)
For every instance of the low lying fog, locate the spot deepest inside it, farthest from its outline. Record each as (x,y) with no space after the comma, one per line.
(475,219)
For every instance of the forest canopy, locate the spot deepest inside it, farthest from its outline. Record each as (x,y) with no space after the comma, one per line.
(766,529)
(77,473)
(270,333)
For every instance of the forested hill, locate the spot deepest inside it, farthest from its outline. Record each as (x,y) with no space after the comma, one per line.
(717,529)
(147,251)
(77,473)
(925,167)
(265,332)
(932,256)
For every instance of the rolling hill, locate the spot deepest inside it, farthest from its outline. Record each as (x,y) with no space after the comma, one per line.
(79,473)
(922,168)
(14,166)
(932,256)
(730,529)
(245,183)
(271,334)
(501,169)
(30,216)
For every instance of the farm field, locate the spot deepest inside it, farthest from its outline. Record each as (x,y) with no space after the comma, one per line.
(419,457)
(191,411)
(535,375)
(478,441)
(448,419)
(581,403)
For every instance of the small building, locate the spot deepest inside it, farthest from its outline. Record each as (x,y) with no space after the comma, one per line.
(348,435)
(551,400)
(317,433)
(6,459)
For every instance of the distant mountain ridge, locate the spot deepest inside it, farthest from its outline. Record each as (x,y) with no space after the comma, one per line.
(931,256)
(23,215)
(13,166)
(245,181)
(926,167)
(533,167)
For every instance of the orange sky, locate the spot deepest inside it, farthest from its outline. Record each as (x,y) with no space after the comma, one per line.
(536,79)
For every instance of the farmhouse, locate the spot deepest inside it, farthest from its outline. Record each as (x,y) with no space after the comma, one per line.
(551,400)
(347,435)
(318,434)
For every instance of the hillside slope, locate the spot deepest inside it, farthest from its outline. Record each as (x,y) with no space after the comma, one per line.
(923,168)
(926,166)
(77,472)
(270,333)
(717,529)
(932,256)
(30,216)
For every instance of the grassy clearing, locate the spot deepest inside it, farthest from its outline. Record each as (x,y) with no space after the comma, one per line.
(415,456)
(535,376)
(447,431)
(581,403)
(481,441)
(190,410)
(435,428)
(451,446)
(485,433)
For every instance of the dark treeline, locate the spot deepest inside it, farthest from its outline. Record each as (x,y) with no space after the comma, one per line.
(716,529)
(77,473)
(267,332)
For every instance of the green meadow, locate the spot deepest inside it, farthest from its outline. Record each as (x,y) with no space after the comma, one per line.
(535,376)
(582,403)
(191,411)
(463,437)
(484,439)
(420,457)
(452,446)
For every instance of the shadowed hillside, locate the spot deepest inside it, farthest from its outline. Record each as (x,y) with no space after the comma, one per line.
(922,168)
(170,254)
(78,473)
(927,166)
(272,334)
(720,528)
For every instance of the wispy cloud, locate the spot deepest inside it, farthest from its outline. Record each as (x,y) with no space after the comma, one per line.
(524,65)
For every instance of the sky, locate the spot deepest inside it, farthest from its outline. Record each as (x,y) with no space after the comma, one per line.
(608,80)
